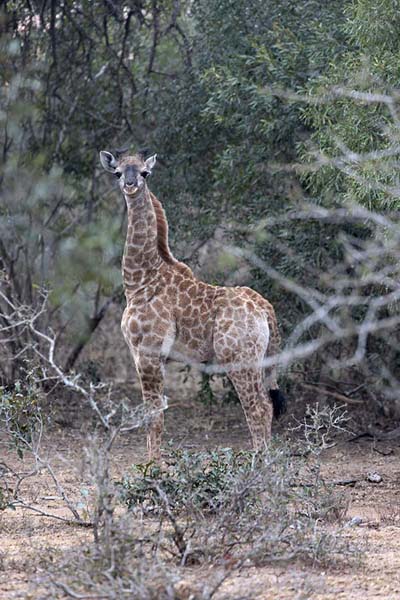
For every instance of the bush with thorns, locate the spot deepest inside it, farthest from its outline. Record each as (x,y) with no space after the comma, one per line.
(226,509)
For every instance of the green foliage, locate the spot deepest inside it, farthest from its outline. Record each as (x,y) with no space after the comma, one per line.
(20,411)
(213,87)
(361,134)
(200,479)
(205,394)
(73,81)
(224,120)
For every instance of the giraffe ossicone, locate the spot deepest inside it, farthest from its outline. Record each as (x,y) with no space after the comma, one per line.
(171,314)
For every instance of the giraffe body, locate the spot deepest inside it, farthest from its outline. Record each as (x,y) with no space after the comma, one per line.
(171,314)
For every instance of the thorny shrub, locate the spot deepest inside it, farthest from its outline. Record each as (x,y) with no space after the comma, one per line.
(20,416)
(226,504)
(20,407)
(226,509)
(321,424)
(132,569)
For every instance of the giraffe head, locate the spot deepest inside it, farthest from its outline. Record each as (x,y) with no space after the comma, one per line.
(131,171)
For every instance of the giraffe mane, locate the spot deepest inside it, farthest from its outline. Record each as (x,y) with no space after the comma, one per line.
(162,231)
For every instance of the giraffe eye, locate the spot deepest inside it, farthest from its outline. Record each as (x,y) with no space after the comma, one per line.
(118,174)
(144,174)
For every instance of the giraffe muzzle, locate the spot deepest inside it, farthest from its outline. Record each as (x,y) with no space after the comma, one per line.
(130,189)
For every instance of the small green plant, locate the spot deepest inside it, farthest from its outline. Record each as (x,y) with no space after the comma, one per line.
(200,478)
(206,395)
(3,499)
(20,411)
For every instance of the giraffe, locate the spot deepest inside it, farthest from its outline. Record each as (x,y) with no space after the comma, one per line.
(171,314)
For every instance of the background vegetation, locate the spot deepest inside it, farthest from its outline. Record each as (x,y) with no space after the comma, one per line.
(264,115)
(277,129)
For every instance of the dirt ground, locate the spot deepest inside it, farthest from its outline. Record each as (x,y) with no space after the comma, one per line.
(28,538)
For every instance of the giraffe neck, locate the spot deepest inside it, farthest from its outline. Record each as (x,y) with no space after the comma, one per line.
(141,259)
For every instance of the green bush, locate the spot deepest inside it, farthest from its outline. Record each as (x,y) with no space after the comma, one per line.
(199,478)
(271,506)
(20,411)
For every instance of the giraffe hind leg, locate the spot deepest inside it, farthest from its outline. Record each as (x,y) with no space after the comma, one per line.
(256,404)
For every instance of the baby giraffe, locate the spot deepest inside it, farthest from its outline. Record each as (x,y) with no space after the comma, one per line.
(171,314)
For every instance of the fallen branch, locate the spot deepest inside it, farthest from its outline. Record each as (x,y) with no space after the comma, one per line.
(337,395)
(78,521)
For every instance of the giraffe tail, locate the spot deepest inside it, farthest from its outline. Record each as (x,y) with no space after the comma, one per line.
(278,399)
(278,402)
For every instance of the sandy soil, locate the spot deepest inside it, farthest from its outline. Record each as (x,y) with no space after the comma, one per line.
(28,538)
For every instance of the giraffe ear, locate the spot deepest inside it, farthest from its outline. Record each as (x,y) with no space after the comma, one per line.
(150,162)
(108,161)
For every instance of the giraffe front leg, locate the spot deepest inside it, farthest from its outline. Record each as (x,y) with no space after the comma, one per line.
(151,373)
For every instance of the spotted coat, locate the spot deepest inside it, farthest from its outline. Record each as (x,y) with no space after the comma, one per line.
(172,314)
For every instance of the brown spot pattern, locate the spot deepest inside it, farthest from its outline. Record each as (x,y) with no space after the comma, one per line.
(171,313)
